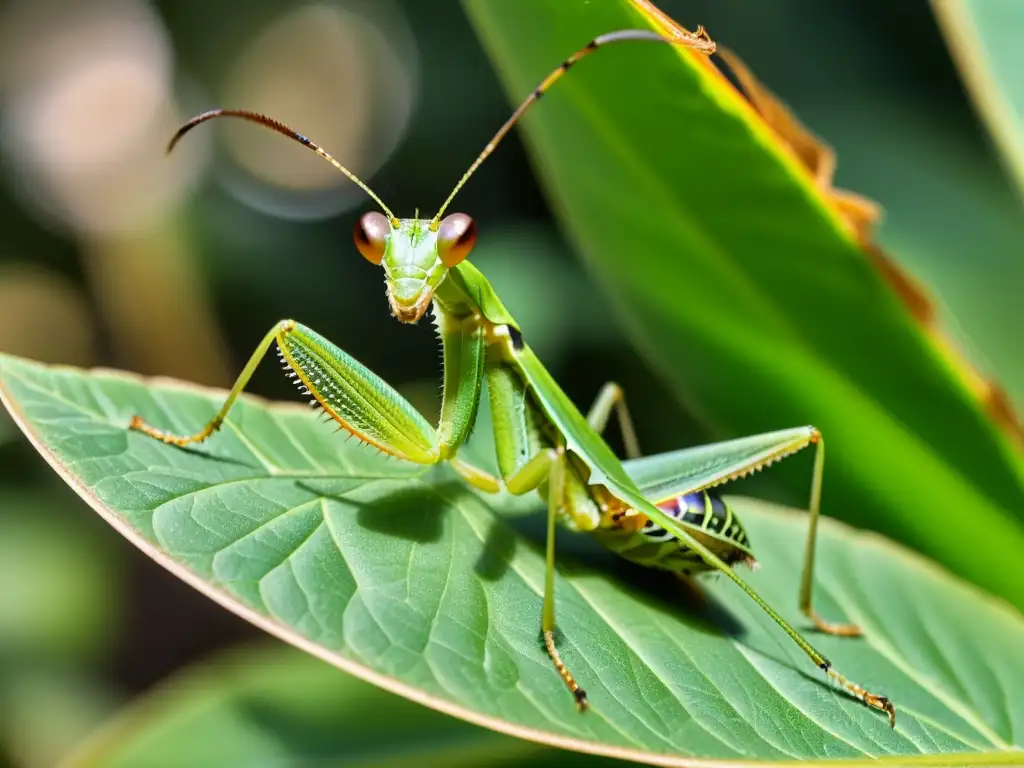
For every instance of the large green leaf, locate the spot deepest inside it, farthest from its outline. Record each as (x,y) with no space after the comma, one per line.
(412,582)
(276,706)
(747,292)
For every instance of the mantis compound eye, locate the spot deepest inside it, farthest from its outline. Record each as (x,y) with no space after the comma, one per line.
(371,236)
(455,238)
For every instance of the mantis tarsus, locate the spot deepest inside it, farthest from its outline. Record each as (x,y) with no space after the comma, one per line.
(663,515)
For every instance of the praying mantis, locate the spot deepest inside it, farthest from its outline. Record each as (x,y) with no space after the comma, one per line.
(663,513)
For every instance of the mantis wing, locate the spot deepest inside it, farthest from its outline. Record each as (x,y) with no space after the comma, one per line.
(671,474)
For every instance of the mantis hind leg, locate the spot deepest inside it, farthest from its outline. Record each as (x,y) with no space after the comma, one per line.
(670,523)
(611,397)
(360,401)
(807,578)
(527,460)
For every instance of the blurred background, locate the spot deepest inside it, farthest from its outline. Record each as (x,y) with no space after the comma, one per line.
(113,255)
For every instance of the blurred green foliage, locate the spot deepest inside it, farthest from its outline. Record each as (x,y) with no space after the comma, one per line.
(275,705)
(63,592)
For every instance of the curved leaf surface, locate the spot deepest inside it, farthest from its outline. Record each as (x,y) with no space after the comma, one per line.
(745,288)
(410,581)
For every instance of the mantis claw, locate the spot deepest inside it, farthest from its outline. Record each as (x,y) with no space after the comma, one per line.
(829,628)
(882,703)
(581,700)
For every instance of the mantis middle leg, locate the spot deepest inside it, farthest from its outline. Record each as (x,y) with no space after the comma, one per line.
(527,461)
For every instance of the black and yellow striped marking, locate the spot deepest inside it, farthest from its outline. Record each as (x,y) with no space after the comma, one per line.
(702,510)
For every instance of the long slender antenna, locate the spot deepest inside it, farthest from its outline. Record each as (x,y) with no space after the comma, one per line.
(699,41)
(281,128)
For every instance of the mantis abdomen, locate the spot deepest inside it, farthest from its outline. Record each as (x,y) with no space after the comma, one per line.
(707,516)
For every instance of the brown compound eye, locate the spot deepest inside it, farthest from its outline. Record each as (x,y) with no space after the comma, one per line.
(371,236)
(455,238)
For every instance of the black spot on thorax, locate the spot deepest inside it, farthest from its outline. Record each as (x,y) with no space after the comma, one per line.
(516,337)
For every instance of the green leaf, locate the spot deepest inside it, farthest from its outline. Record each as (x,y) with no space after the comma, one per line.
(985,40)
(412,582)
(276,706)
(745,290)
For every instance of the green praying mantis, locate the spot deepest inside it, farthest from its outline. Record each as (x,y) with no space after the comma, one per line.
(662,513)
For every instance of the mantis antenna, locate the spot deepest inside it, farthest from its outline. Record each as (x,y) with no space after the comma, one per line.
(281,128)
(699,41)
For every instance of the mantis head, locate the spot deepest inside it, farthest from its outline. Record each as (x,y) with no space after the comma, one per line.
(416,256)
(416,253)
